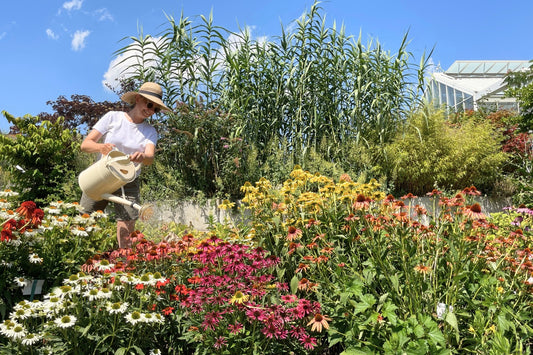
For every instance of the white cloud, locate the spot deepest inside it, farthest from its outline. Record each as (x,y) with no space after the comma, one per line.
(78,39)
(72,5)
(51,34)
(118,67)
(103,14)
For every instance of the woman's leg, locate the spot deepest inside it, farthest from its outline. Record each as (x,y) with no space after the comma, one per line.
(124,230)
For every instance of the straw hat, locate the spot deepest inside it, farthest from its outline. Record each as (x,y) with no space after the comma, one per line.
(150,91)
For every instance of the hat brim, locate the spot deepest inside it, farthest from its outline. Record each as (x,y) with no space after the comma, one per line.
(129,97)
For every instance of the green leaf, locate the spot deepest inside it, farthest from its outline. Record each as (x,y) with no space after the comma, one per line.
(294,284)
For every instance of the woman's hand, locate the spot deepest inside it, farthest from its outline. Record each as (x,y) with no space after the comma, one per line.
(137,157)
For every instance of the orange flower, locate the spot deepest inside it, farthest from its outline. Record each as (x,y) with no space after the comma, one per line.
(319,321)
(294,233)
(474,211)
(423,269)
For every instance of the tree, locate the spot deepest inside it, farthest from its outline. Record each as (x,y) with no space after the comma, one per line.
(521,87)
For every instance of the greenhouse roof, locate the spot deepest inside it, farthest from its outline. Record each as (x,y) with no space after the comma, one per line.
(486,67)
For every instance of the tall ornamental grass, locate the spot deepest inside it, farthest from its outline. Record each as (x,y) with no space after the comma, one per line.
(311,85)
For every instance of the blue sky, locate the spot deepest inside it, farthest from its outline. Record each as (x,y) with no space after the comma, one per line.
(50,48)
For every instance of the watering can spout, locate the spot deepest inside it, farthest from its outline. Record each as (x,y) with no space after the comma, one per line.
(146,212)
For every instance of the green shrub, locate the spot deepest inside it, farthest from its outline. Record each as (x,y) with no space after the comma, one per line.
(42,159)
(431,152)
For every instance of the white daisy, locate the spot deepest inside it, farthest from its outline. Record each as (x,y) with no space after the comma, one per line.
(52,210)
(117,307)
(14,331)
(22,313)
(60,222)
(8,193)
(134,317)
(99,214)
(21,281)
(65,321)
(4,204)
(31,339)
(103,265)
(35,259)
(91,294)
(79,231)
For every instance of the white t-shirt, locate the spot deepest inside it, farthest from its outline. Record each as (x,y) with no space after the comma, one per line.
(128,137)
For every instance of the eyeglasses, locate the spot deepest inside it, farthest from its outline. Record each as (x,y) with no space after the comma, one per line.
(151,105)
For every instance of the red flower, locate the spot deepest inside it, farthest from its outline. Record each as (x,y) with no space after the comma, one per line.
(167,311)
(26,209)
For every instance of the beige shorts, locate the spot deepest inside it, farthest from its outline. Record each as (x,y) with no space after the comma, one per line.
(122,212)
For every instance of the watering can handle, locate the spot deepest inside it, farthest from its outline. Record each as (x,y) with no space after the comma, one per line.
(115,159)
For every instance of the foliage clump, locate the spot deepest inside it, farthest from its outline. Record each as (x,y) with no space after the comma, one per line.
(41,159)
(431,151)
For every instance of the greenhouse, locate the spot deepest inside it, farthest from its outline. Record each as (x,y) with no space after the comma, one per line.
(471,84)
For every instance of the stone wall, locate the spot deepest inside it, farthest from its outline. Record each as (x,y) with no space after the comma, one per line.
(200,216)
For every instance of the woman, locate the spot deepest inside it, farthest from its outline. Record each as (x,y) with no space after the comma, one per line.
(129,133)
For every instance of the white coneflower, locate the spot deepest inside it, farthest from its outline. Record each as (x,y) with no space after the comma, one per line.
(21,313)
(6,264)
(129,279)
(83,219)
(104,265)
(21,281)
(117,307)
(148,279)
(52,305)
(31,339)
(14,331)
(155,352)
(92,294)
(52,210)
(8,193)
(15,242)
(29,232)
(99,214)
(72,280)
(134,317)
(60,222)
(65,321)
(4,204)
(57,204)
(105,293)
(79,231)
(35,259)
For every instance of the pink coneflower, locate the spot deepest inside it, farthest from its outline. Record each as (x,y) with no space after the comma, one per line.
(361,202)
(235,328)
(471,191)
(408,196)
(308,342)
(294,233)
(211,320)
(289,298)
(474,211)
(256,313)
(434,192)
(220,342)
(312,222)
(318,322)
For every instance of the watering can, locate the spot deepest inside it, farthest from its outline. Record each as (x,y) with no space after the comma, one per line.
(109,174)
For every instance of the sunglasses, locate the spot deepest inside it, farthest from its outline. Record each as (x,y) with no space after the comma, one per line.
(151,105)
